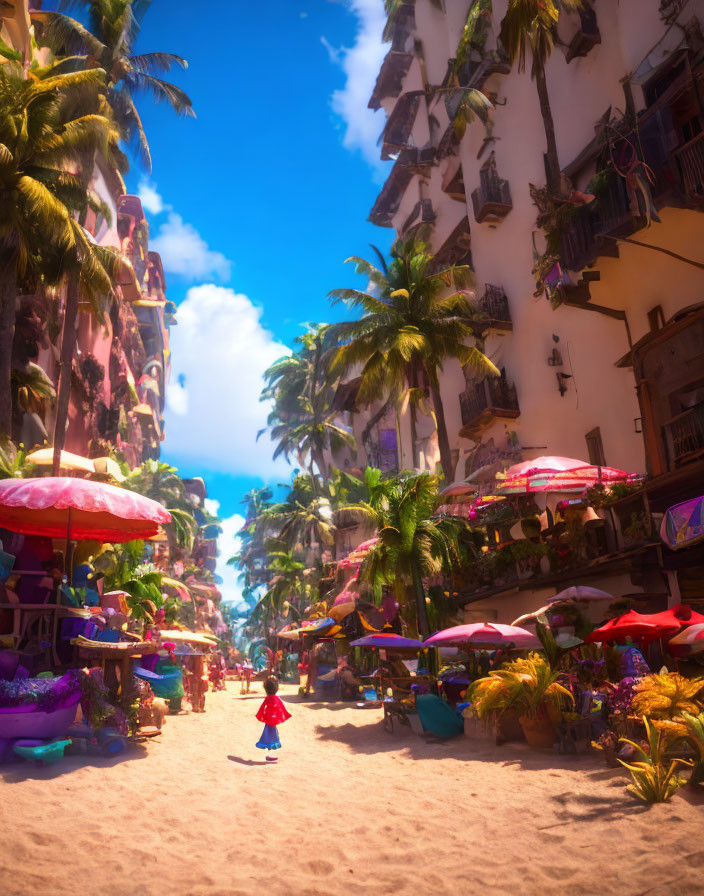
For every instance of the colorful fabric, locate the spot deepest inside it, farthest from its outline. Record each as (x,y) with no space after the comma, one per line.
(272,711)
(269,739)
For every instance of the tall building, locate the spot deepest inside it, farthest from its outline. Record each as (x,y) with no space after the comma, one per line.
(121,365)
(592,299)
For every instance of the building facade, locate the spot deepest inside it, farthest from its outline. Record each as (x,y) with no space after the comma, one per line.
(592,301)
(121,365)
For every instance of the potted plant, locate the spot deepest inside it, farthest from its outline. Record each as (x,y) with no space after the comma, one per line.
(492,704)
(531,688)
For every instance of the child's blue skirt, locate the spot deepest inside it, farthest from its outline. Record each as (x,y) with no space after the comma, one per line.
(269,739)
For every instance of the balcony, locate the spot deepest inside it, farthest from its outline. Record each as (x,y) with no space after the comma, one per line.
(453,182)
(587,36)
(492,198)
(481,403)
(423,213)
(393,70)
(457,248)
(410,162)
(397,132)
(684,436)
(669,136)
(690,160)
(494,309)
(582,240)
(384,459)
(400,24)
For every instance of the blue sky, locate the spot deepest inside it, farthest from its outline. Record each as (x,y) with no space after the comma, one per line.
(254,206)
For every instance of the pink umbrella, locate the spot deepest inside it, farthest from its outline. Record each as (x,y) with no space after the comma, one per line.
(692,637)
(78,509)
(483,633)
(554,474)
(388,641)
(356,557)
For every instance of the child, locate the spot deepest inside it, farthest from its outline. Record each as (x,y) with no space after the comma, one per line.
(272,712)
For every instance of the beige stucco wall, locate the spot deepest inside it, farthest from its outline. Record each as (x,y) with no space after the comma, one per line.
(598,393)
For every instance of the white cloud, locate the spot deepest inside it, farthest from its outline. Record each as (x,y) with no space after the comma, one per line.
(184,251)
(228,544)
(334,54)
(220,351)
(361,64)
(150,197)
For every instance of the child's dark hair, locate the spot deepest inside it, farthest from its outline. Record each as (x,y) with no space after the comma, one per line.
(271,685)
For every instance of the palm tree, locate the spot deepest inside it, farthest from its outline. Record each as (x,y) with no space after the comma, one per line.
(286,586)
(419,319)
(530,25)
(107,44)
(412,544)
(161,482)
(39,142)
(302,420)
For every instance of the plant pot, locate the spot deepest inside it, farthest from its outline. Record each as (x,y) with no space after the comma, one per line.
(508,728)
(539,732)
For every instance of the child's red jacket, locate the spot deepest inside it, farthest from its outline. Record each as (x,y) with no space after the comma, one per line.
(272,711)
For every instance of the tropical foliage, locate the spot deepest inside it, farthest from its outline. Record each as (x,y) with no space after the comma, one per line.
(415,320)
(413,545)
(528,29)
(107,43)
(655,779)
(666,695)
(302,421)
(43,133)
(528,686)
(161,482)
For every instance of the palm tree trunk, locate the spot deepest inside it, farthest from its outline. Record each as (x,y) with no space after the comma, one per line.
(319,458)
(68,347)
(8,297)
(552,162)
(412,413)
(69,338)
(421,608)
(448,468)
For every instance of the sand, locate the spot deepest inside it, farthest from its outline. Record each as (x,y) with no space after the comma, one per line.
(349,808)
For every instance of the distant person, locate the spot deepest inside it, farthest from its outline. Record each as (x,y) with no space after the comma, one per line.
(246,673)
(272,712)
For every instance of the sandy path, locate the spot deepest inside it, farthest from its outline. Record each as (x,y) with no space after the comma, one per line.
(348,809)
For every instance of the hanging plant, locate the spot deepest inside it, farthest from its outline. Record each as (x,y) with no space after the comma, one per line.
(475,31)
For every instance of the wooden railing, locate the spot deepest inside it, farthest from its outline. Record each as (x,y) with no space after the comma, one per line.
(690,158)
(493,393)
(494,304)
(684,436)
(581,242)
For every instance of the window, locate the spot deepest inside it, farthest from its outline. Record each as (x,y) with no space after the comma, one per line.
(595,448)
(656,318)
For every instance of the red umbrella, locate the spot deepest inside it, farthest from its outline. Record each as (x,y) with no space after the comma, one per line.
(78,509)
(646,626)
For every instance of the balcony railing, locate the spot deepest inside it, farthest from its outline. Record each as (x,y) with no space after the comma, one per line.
(587,36)
(581,242)
(493,397)
(691,164)
(492,198)
(384,459)
(684,436)
(493,306)
(675,174)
